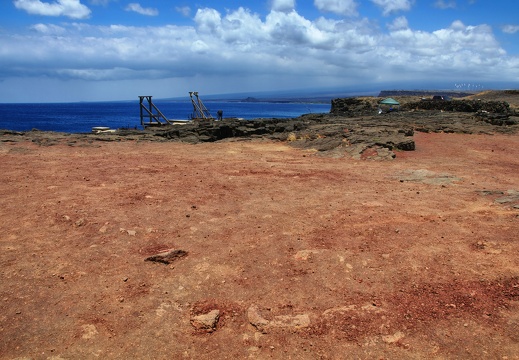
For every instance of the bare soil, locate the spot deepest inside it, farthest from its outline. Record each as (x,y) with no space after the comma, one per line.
(288,255)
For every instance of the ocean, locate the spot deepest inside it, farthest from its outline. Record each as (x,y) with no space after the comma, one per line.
(82,117)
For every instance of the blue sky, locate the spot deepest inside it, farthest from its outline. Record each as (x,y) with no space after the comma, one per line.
(90,50)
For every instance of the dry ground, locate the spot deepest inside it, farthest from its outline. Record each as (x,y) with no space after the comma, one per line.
(304,257)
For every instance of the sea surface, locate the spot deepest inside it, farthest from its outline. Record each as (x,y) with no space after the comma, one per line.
(82,117)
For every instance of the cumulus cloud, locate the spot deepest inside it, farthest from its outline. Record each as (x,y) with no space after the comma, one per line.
(399,23)
(445,4)
(341,7)
(510,29)
(456,49)
(69,8)
(283,5)
(240,46)
(136,7)
(391,6)
(199,47)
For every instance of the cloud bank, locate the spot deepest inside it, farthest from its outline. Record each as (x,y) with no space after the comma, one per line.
(241,51)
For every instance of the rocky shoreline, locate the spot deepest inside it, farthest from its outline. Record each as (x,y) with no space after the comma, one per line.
(352,128)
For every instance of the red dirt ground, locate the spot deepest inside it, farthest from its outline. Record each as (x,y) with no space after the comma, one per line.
(304,257)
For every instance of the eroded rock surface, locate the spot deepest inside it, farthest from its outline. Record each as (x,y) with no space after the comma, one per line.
(353,128)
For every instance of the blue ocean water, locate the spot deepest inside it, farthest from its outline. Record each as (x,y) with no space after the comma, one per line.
(81,117)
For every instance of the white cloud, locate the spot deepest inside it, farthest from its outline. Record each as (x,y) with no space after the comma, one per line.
(208,20)
(136,7)
(445,4)
(510,29)
(294,30)
(399,23)
(199,47)
(458,49)
(390,6)
(69,8)
(184,10)
(341,7)
(283,5)
(240,50)
(48,29)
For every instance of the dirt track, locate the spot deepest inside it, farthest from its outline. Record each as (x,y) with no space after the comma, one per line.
(304,257)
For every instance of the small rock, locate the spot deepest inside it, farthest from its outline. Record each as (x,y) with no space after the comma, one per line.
(293,321)
(254,349)
(103,229)
(89,331)
(255,318)
(206,322)
(280,321)
(305,254)
(391,339)
(167,257)
(80,222)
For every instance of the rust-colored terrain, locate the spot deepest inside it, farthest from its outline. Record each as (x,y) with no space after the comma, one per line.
(256,249)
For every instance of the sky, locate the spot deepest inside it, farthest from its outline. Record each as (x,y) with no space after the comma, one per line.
(104,50)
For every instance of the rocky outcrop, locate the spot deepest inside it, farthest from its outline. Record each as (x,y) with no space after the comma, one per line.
(353,128)
(319,132)
(352,106)
(472,106)
(496,119)
(209,131)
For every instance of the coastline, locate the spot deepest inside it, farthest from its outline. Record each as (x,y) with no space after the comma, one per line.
(348,131)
